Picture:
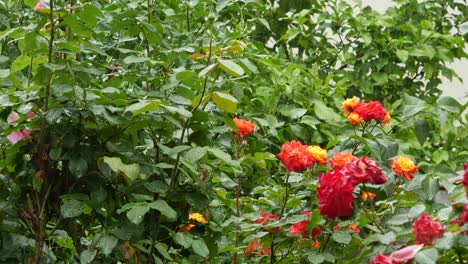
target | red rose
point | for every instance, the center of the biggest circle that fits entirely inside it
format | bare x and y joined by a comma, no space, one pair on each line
371,110
300,228
335,194
295,156
264,220
427,230
256,247
381,259
244,127
364,170
463,218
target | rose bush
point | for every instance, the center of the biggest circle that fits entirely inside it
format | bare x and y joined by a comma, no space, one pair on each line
231,132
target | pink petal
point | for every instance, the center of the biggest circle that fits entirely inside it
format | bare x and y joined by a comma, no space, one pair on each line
38,6
31,115
12,117
19,135
406,253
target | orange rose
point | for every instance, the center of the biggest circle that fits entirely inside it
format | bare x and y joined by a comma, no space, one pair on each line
355,228
244,127
318,154
186,228
197,217
339,160
315,244
368,196
349,104
404,166
355,119
386,119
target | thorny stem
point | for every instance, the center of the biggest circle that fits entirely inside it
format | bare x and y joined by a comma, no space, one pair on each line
41,217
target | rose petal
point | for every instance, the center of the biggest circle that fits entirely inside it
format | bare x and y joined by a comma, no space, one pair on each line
406,253
19,135
12,117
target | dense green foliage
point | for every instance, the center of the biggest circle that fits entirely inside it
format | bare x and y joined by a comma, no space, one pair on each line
133,130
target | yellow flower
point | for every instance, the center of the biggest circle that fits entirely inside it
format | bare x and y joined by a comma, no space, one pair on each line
404,166
368,196
197,217
349,104
354,119
318,154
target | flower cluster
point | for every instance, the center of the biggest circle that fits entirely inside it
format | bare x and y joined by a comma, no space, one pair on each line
264,220
358,112
244,127
404,166
300,228
398,257
256,248
426,230
335,193
196,217
297,157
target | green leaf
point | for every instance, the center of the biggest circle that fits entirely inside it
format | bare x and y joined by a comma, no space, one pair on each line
440,155
297,112
316,258
324,112
78,167
134,59
4,73
72,208
200,248
249,65
402,55
342,236
207,70
427,256
184,239
178,110
449,104
416,210
431,186
421,129
143,106
190,79
137,212
164,208
387,238
87,256
446,242
20,63
156,186
162,249
412,106
225,101
131,171
231,67
195,154
107,244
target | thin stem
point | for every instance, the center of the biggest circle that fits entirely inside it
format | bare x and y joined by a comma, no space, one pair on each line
322,248
286,196
376,220
187,122
30,71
